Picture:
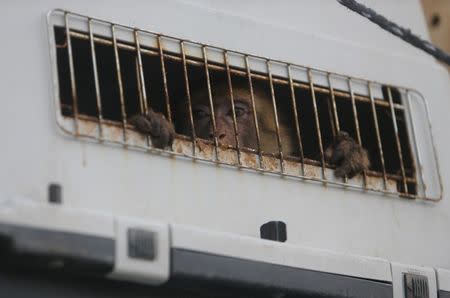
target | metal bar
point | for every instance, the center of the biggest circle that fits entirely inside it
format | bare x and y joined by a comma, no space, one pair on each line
211,104
335,113
397,141
333,104
73,84
416,146
316,118
296,119
277,125
188,96
304,86
119,81
96,82
141,80
230,88
355,117
255,117
377,130
164,76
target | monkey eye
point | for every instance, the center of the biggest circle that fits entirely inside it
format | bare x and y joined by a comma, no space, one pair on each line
200,112
240,109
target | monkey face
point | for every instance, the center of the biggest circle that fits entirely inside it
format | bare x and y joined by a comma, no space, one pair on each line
223,114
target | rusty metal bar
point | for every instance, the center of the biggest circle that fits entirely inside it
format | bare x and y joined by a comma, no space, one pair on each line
416,146
174,57
296,119
230,89
141,80
73,84
120,83
164,76
333,104
316,118
355,117
255,117
335,113
377,130
211,104
188,96
277,125
397,141
96,82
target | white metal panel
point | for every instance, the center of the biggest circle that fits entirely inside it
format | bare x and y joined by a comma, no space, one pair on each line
135,184
443,279
273,252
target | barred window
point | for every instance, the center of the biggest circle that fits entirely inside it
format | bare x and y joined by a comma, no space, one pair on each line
105,73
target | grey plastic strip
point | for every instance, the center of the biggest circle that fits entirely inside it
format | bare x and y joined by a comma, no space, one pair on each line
218,270
26,246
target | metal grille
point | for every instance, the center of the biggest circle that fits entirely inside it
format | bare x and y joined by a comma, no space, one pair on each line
386,120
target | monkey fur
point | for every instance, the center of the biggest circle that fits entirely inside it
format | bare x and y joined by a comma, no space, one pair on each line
348,156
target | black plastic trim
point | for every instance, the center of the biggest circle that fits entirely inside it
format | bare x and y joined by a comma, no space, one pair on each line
218,271
42,248
443,294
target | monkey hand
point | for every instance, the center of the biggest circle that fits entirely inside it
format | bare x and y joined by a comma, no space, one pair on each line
348,156
155,125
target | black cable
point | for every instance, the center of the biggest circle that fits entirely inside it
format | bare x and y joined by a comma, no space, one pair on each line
397,30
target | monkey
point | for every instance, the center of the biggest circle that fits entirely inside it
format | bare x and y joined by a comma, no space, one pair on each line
348,156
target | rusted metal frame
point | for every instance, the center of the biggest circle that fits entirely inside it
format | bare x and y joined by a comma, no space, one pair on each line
164,76
189,101
277,125
211,104
416,146
255,117
230,89
296,119
355,117
249,168
73,84
316,118
377,131
141,80
120,83
397,141
96,81
305,86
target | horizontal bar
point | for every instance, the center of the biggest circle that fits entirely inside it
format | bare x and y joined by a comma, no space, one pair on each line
305,86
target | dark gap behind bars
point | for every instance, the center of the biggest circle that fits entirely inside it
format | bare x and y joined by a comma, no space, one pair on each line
197,79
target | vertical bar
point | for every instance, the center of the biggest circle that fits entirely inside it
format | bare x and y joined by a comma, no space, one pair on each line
119,80
73,84
377,130
316,117
255,117
96,82
297,125
164,75
277,125
355,117
211,104
188,96
333,105
141,79
230,88
413,130
397,140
